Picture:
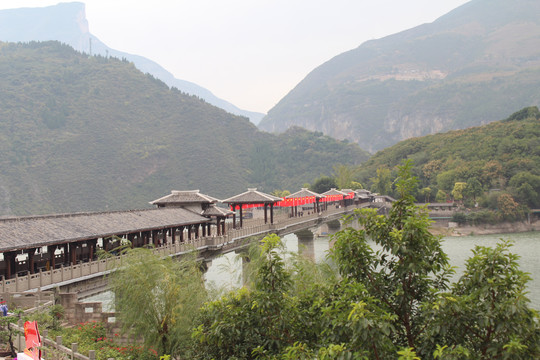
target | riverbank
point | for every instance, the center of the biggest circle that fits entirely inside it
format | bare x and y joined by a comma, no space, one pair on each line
486,229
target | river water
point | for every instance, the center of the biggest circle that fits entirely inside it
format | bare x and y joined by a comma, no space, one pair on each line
226,271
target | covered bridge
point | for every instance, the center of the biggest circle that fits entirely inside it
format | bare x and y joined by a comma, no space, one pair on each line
28,244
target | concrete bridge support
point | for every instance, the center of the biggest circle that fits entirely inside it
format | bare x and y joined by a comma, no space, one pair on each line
306,245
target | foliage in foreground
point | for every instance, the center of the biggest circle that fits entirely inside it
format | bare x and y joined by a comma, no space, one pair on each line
393,302
157,299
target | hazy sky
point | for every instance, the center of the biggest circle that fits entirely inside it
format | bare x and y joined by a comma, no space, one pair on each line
248,52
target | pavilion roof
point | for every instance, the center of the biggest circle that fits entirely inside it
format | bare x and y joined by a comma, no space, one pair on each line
348,191
304,193
185,197
363,191
29,232
252,196
217,211
334,191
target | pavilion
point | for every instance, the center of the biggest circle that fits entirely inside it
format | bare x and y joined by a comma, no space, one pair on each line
252,197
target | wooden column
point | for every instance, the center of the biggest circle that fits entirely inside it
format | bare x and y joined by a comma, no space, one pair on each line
241,217
51,249
218,224
73,253
265,213
223,227
234,216
31,253
181,234
9,258
91,248
203,230
155,238
271,213
209,230
173,235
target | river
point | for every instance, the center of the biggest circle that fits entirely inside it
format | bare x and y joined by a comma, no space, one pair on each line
226,271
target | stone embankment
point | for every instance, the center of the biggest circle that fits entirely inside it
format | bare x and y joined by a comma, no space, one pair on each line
486,229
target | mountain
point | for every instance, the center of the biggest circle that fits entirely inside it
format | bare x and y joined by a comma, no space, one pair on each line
67,23
472,66
81,133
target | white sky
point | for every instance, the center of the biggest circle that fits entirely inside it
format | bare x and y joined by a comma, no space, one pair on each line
248,52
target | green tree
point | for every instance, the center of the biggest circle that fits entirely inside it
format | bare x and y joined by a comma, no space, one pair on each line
458,190
441,196
382,183
409,269
157,299
473,188
344,175
323,184
486,314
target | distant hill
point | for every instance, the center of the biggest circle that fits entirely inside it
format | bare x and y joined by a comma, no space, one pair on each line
499,156
67,23
81,133
472,66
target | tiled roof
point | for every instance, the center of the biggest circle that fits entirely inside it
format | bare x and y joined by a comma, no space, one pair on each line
216,211
252,196
37,231
184,197
334,192
304,193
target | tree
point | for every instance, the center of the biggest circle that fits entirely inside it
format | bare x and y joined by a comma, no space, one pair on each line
459,189
382,183
323,184
473,188
409,269
486,315
157,299
344,175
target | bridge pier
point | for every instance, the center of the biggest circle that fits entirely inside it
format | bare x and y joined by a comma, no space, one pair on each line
306,245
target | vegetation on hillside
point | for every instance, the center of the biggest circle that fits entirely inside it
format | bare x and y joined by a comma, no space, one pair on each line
494,166
80,133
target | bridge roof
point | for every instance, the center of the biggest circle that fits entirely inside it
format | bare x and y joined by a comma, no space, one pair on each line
36,231
334,192
304,193
252,196
185,197
217,211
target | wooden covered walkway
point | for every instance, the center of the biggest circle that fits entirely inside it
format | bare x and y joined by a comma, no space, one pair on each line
41,251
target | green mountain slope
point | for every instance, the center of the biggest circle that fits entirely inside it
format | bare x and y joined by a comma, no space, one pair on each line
472,66
502,155
84,133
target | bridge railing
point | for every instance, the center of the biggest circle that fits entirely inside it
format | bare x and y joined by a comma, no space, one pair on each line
71,272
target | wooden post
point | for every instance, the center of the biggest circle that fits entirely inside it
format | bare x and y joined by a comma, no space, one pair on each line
271,213
173,235
265,213
241,217
74,348
31,253
73,253
9,258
